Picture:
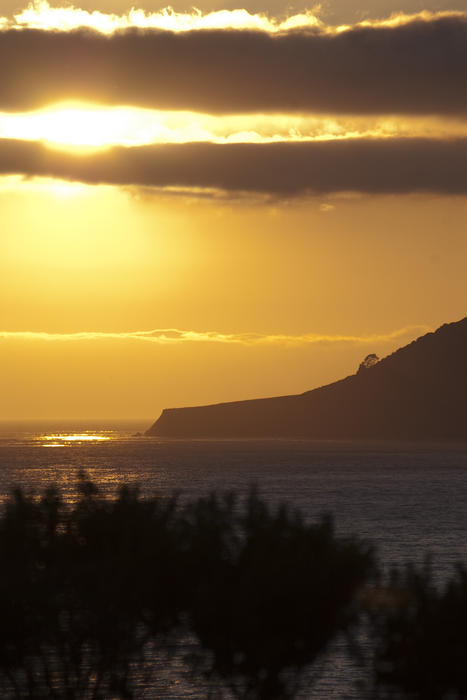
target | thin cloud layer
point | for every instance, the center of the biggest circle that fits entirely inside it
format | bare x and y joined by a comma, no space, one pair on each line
370,166
171,336
415,66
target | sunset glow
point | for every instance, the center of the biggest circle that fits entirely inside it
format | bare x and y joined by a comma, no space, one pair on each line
64,440
232,285
41,15
84,127
201,205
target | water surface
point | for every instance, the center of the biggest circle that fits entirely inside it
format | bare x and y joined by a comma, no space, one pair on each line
407,499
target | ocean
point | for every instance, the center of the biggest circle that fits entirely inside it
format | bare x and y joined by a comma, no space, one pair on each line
408,500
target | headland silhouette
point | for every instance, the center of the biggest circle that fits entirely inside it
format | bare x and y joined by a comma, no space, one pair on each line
417,393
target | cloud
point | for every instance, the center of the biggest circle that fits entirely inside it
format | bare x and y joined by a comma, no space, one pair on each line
373,166
40,15
408,66
171,336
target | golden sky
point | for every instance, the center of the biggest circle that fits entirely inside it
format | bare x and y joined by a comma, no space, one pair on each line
208,206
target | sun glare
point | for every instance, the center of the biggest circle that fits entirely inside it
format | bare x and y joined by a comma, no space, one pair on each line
45,185
66,440
70,125
83,127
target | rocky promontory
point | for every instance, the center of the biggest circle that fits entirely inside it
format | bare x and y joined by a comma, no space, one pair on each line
418,392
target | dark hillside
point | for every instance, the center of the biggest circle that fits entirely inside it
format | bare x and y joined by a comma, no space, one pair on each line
418,392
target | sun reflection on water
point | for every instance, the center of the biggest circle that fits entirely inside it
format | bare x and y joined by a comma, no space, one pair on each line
68,439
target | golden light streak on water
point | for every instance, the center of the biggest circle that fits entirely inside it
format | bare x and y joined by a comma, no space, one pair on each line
69,439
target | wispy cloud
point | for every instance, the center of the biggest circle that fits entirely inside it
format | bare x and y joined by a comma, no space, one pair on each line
172,336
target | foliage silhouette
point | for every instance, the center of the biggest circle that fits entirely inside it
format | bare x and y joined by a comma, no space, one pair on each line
90,592
421,637
370,361
272,592
77,591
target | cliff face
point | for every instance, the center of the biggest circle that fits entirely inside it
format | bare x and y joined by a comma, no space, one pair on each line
418,392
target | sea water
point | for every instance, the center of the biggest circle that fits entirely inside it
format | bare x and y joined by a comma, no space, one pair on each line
408,500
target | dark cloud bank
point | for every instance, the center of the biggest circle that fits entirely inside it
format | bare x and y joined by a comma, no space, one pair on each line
281,169
419,68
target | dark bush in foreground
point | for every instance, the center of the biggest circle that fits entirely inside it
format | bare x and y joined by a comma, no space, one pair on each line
82,591
271,593
420,636
88,593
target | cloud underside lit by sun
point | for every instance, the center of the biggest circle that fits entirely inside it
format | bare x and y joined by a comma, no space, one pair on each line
231,101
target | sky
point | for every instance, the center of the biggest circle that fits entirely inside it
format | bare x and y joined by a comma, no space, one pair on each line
213,204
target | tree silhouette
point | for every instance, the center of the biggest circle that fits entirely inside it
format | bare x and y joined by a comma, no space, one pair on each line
272,592
421,637
369,361
84,591
89,594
